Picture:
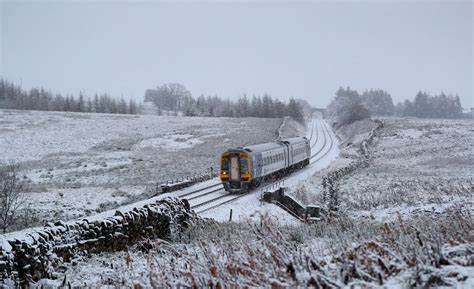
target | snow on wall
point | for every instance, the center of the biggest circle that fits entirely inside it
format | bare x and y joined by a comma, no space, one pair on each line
34,254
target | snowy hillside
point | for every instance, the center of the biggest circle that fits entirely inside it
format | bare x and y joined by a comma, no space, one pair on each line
78,164
402,222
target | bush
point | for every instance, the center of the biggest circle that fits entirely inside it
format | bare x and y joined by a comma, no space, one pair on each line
11,198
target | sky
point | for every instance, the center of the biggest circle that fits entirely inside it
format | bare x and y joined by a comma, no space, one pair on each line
228,48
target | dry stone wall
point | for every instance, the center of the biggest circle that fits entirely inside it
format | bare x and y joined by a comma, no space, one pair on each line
38,254
329,182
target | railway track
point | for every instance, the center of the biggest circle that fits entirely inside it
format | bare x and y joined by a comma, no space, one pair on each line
201,204
198,191
222,199
325,139
213,196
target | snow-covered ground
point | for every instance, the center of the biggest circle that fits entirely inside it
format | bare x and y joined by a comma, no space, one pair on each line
250,206
419,166
404,221
430,248
78,164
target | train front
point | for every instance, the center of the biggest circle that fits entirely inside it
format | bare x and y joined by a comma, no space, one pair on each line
235,171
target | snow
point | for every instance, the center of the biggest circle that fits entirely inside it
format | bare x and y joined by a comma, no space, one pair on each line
263,253
171,142
78,164
250,207
418,167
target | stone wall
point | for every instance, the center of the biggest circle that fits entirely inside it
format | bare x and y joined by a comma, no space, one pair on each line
37,254
329,182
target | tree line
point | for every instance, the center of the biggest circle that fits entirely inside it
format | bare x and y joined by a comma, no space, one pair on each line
425,105
175,97
348,105
14,97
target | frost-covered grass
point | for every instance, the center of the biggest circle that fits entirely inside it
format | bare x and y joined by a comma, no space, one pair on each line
415,253
77,164
378,238
418,167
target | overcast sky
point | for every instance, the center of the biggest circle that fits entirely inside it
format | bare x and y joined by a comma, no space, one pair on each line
306,50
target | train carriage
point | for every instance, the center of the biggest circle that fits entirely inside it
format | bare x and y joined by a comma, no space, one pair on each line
245,167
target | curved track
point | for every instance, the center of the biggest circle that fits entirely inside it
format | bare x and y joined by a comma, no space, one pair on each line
214,195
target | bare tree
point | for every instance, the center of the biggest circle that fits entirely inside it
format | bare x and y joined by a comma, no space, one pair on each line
11,198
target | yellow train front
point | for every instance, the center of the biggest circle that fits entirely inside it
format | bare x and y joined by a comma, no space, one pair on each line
235,170
246,167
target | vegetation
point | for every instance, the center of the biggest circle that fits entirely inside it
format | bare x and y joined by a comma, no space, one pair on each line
11,198
425,105
175,97
14,97
347,107
378,102
330,254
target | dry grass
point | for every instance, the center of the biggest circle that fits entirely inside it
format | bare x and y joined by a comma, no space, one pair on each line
421,252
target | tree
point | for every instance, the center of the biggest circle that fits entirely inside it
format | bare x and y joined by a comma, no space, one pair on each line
81,103
267,106
280,108
424,105
169,96
11,198
243,107
378,102
122,106
421,105
295,110
346,107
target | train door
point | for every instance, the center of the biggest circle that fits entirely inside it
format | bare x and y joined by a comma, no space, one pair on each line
291,156
234,168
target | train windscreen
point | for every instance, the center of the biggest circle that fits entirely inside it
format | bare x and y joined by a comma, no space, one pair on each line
244,165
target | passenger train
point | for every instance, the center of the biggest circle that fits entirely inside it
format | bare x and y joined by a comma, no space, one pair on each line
244,168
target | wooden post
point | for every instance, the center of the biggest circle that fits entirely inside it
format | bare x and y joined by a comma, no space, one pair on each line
230,217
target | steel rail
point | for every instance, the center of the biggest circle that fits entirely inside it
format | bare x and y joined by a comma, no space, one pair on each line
198,190
222,203
331,145
317,135
326,134
210,201
324,144
205,194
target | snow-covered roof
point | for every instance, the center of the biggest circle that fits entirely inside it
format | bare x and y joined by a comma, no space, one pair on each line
272,145
294,140
262,147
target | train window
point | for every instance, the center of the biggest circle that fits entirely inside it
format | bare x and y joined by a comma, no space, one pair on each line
225,164
244,165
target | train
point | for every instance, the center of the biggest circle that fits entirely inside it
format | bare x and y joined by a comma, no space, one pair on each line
244,168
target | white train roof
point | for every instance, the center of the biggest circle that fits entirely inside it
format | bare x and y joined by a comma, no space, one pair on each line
259,148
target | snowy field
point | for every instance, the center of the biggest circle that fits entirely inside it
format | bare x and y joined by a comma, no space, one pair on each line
78,164
366,246
404,221
419,167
